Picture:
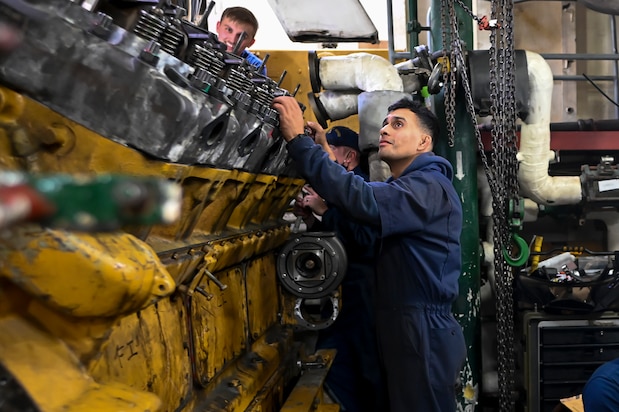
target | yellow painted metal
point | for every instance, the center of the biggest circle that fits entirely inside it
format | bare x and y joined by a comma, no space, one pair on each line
252,378
219,323
11,109
148,351
221,204
328,407
181,266
537,247
288,305
200,187
36,129
308,392
286,188
263,304
247,209
54,377
270,397
83,274
133,321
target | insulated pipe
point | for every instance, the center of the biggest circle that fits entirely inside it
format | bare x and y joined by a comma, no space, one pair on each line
372,111
343,77
338,104
535,153
612,227
360,71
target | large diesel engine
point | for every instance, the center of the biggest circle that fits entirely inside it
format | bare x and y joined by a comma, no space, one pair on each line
145,316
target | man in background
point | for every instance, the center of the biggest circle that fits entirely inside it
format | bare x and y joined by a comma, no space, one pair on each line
601,392
233,23
355,380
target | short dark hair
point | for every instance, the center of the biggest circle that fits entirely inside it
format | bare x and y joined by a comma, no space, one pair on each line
241,15
427,118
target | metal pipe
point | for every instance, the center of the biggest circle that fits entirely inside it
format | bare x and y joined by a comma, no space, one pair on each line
358,71
580,77
613,31
534,153
580,56
390,38
586,125
411,26
399,55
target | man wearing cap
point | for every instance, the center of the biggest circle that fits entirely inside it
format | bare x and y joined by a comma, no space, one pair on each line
417,216
355,379
344,143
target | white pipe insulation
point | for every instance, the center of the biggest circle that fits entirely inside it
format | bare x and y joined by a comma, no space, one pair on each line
361,71
339,104
344,77
535,153
364,84
612,227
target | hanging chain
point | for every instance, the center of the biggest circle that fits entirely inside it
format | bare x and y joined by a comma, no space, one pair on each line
506,167
468,11
450,76
502,174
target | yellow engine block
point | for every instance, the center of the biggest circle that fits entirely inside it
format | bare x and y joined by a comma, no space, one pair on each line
181,317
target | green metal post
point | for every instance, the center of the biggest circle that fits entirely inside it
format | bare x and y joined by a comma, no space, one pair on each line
463,157
412,25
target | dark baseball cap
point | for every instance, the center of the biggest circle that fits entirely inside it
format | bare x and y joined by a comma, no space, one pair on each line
343,136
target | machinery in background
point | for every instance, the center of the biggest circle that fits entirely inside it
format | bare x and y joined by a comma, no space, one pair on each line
527,183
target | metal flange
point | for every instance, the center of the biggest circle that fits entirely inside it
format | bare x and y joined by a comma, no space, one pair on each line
312,264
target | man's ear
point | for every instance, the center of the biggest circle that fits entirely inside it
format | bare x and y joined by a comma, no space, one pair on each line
252,42
425,142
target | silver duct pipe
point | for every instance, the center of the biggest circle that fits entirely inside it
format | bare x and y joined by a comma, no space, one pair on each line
612,227
360,71
360,83
338,104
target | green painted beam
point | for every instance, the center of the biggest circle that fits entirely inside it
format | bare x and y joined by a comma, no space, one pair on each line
463,157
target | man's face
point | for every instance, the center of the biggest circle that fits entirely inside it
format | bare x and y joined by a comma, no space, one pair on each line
228,32
401,137
342,154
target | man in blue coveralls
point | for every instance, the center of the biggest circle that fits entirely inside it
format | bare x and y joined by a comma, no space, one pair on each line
418,216
601,393
355,379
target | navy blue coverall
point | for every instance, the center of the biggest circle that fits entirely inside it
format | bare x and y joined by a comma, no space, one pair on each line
601,392
419,218
355,378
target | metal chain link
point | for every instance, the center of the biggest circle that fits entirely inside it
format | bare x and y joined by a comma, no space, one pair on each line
450,77
502,174
468,11
506,169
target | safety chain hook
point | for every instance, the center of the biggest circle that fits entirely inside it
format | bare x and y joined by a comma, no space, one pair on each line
516,213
